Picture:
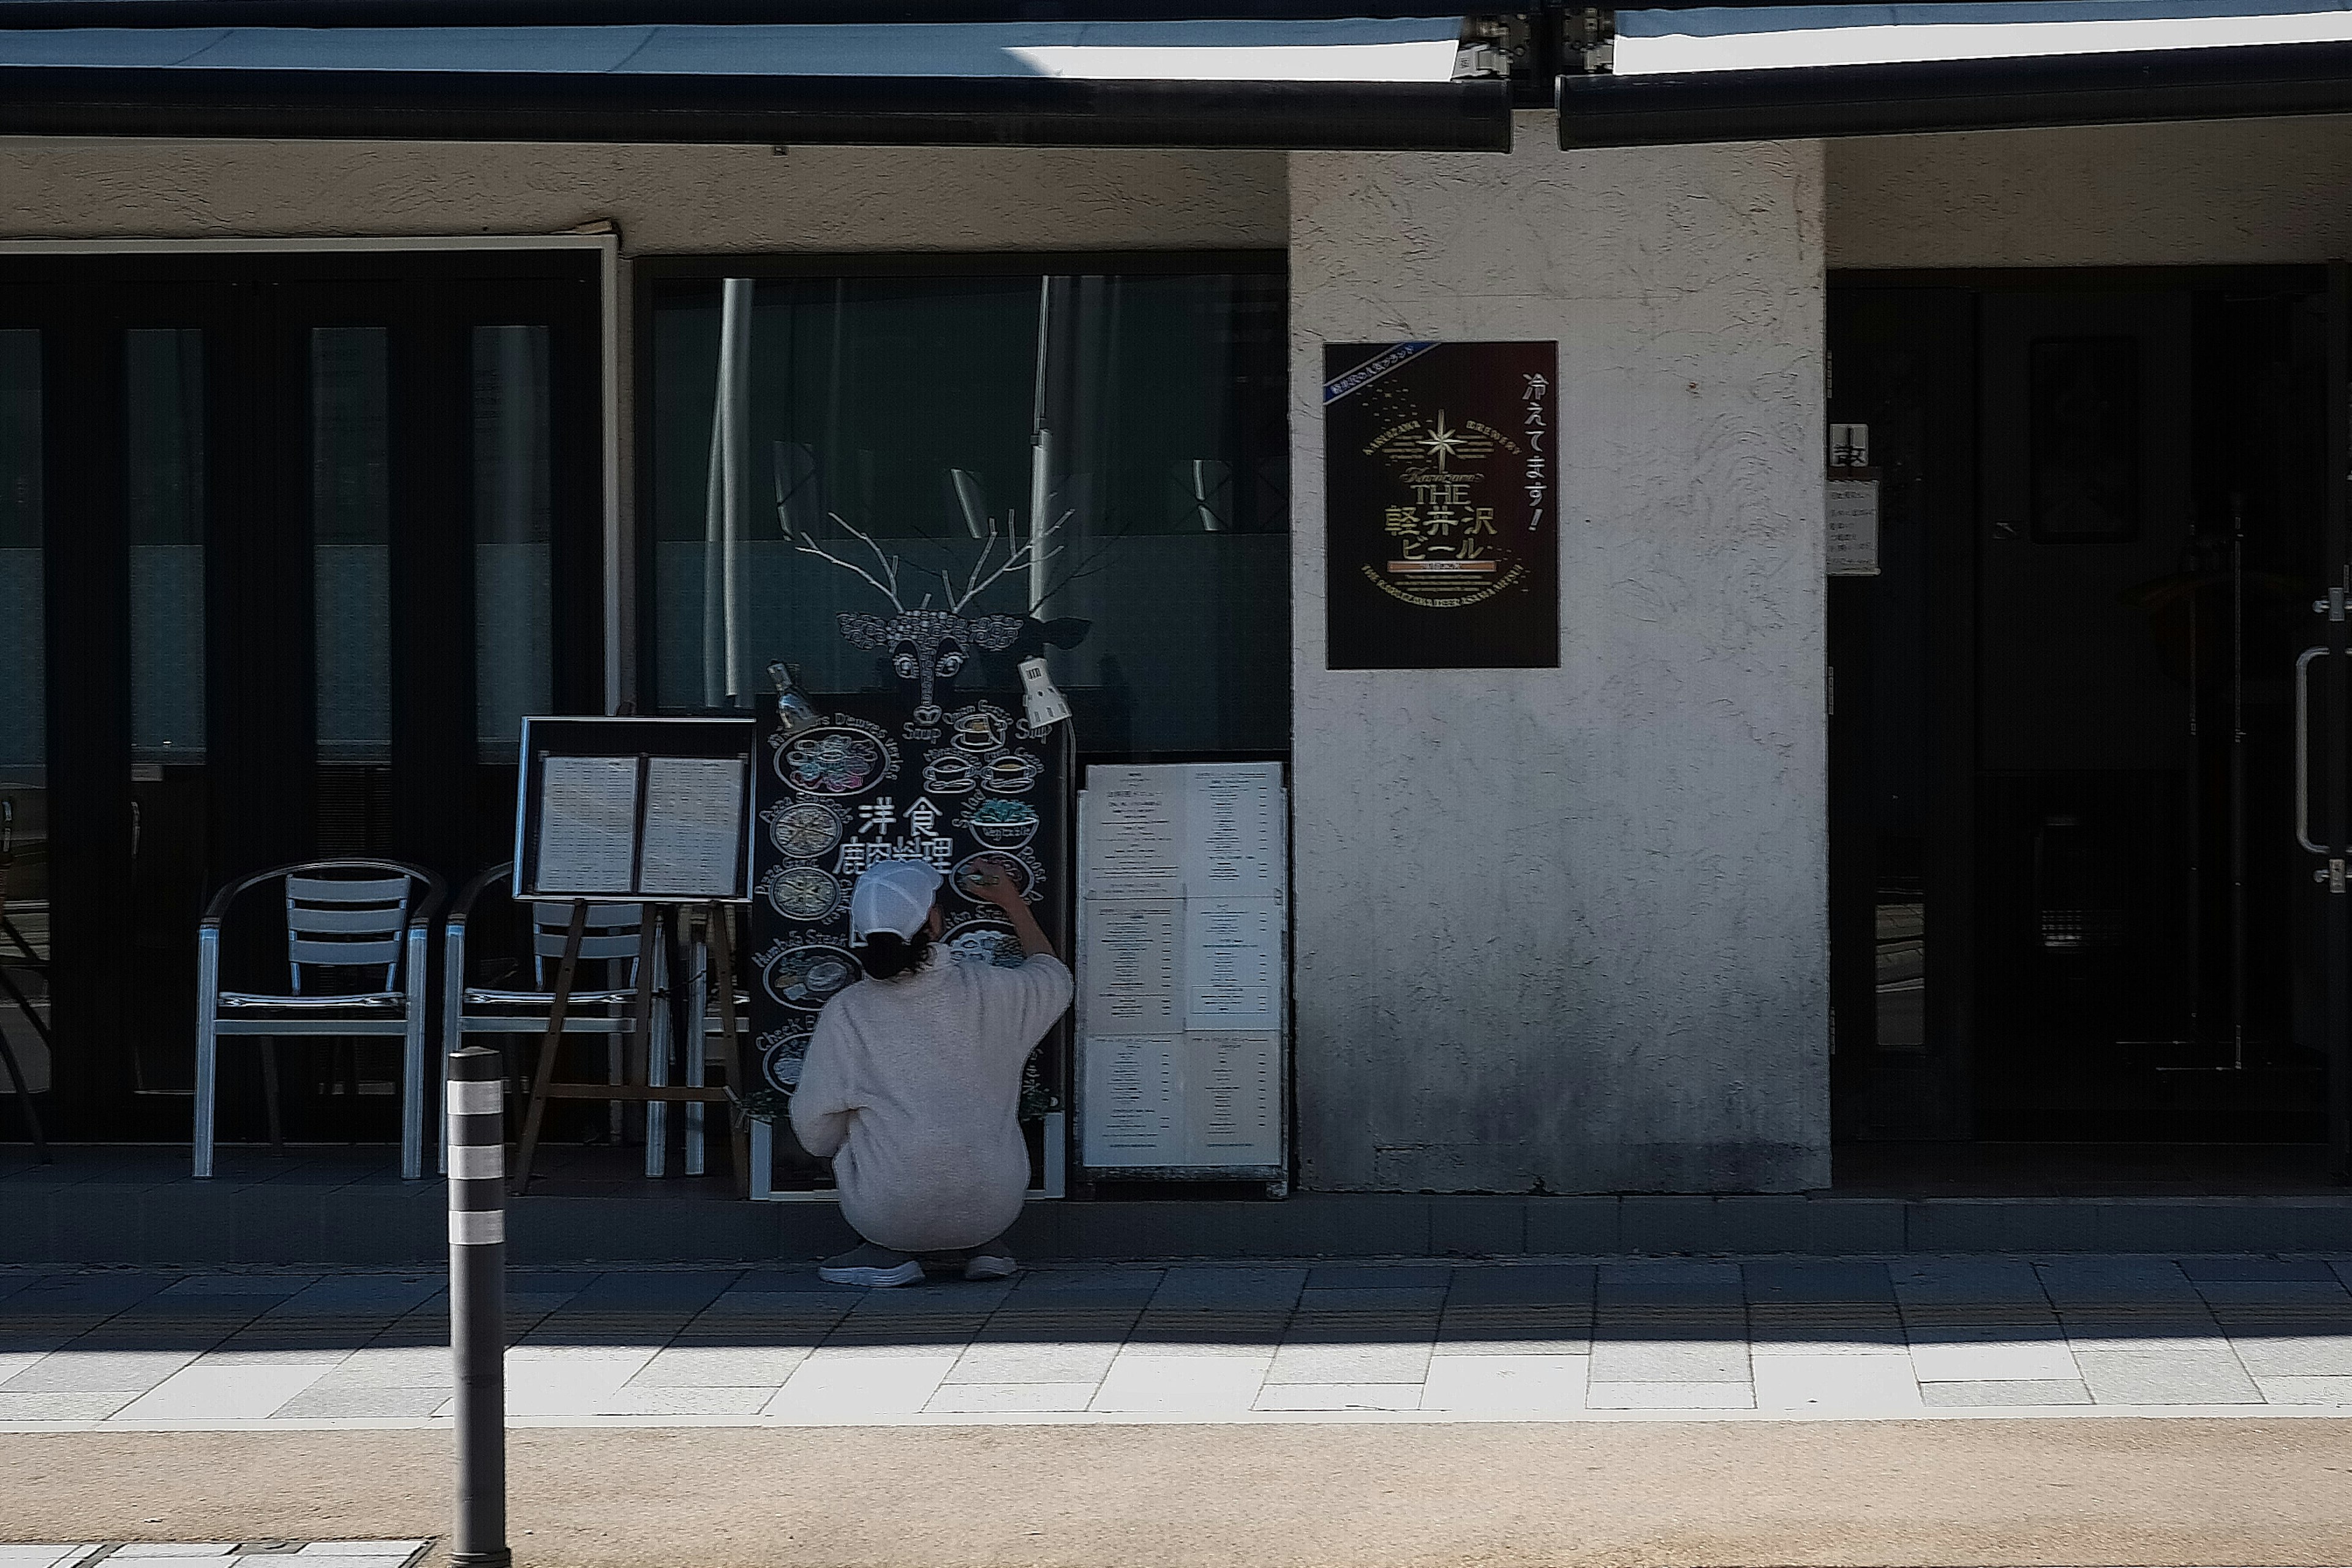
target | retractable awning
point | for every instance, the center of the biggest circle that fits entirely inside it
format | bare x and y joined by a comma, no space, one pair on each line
1349,83
1772,72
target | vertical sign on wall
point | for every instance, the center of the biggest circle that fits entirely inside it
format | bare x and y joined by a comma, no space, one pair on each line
1442,543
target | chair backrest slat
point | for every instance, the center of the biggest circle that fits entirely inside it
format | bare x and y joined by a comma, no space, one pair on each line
352,890
345,955
367,921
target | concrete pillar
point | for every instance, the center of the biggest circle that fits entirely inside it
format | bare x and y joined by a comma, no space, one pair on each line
1566,930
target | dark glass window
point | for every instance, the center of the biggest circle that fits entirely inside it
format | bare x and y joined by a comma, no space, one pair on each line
1120,441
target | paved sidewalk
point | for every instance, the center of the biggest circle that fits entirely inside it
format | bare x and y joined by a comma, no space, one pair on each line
217,1554
1854,1338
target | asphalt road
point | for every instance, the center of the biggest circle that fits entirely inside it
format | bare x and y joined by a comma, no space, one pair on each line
2158,1492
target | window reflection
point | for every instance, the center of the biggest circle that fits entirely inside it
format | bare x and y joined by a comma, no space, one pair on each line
1130,428
165,473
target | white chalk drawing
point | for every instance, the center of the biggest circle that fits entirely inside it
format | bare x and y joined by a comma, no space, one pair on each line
804,975
843,757
981,729
806,830
1011,772
949,772
805,893
975,939
1018,863
782,1054
1000,822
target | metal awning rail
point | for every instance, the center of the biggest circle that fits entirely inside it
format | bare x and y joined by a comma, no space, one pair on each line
1986,94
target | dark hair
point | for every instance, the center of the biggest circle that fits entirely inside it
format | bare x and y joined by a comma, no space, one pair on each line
886,955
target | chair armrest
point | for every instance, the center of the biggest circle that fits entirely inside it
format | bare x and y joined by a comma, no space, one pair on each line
463,908
217,911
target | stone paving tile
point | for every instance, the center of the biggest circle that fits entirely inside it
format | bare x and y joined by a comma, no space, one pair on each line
2182,1375
227,1393
992,1398
636,1399
2019,1354
1349,1363
72,1371
1559,1285
2010,1391
400,1366
1197,1384
44,1556
1529,1384
153,1548
317,1403
578,1383
721,1366
2247,1270
1724,1395
1247,1288
1339,1396
1380,1277
1021,1362
2293,1355
62,1407
2306,1390
1662,1360
838,1385
1832,1383
361,1548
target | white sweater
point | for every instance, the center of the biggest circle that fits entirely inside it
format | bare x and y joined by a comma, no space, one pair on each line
913,1087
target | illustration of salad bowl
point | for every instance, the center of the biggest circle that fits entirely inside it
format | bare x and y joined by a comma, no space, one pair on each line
1003,824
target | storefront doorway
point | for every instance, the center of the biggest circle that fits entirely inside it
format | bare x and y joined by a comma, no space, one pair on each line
2069,904
291,542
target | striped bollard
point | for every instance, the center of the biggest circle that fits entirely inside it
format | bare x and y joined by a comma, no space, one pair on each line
478,1304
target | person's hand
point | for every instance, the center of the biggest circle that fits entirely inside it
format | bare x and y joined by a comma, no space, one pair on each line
991,886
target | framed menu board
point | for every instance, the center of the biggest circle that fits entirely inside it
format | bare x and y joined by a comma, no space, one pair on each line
868,783
648,810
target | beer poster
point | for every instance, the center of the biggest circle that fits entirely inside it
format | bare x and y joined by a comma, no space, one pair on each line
1442,539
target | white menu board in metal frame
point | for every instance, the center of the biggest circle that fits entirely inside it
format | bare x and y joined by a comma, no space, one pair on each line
1183,1000
646,810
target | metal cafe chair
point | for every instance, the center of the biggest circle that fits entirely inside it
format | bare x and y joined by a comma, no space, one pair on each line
609,936
344,915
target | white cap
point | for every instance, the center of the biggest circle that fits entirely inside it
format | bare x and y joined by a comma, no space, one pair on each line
893,896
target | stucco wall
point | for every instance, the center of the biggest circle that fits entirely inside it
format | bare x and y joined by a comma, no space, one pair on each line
2243,192
1565,929
664,198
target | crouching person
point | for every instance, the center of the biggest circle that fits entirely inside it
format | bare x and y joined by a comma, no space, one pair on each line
912,1084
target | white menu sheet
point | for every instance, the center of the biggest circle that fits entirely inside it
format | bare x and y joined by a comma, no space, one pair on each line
1131,965
1232,963
1235,1098
587,824
1133,820
1232,840
1135,1107
694,828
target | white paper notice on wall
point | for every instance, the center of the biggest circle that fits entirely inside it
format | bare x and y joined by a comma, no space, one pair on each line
1233,837
1133,820
1131,965
1135,1102
1854,523
1235,1101
1232,963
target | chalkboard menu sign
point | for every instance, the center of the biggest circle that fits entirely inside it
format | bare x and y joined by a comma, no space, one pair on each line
1440,473
961,783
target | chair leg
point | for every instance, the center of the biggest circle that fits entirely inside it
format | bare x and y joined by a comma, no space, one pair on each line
207,1048
411,1092
207,1075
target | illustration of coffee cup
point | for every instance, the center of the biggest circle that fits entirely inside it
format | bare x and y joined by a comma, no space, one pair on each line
949,773
1011,773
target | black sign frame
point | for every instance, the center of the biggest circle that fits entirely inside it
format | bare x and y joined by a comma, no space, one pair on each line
1441,530
915,761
